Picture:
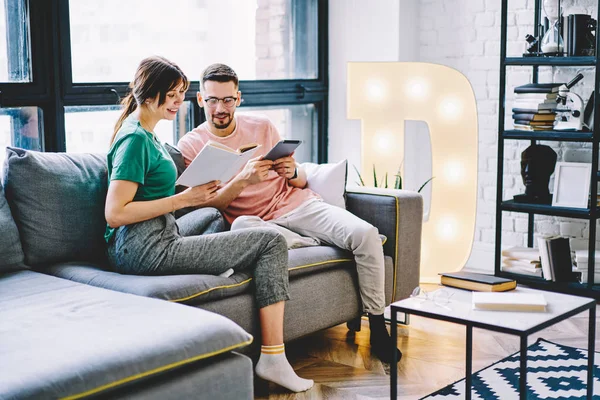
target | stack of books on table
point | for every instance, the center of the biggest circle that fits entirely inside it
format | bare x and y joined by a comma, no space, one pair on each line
535,106
522,260
581,261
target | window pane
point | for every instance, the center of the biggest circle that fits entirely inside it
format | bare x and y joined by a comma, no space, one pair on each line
260,39
90,128
14,42
20,127
293,122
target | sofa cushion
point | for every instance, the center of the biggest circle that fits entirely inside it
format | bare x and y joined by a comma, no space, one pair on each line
57,200
196,289
329,181
60,338
11,253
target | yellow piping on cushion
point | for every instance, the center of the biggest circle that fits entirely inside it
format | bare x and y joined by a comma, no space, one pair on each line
249,279
156,370
211,289
320,263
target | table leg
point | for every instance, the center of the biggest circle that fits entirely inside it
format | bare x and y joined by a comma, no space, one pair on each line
591,342
523,369
469,366
394,366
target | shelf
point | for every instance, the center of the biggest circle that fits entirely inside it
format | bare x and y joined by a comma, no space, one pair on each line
551,61
563,136
510,205
575,288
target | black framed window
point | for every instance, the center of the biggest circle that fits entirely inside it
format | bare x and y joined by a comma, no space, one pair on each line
74,60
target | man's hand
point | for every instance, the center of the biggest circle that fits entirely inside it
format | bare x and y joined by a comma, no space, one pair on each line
256,170
285,167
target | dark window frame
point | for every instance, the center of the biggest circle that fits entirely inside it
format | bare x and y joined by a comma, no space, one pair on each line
52,88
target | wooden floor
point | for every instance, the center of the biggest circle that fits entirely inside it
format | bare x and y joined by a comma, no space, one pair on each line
342,367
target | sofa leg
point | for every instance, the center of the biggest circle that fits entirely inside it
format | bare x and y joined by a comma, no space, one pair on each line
354,324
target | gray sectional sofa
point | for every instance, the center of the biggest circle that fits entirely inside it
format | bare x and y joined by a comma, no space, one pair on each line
71,328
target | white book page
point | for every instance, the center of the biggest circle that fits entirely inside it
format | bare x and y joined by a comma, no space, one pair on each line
213,163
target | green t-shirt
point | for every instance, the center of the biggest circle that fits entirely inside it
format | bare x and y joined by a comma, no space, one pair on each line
136,155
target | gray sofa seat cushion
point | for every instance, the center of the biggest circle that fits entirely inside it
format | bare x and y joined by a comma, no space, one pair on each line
57,201
60,338
11,252
197,289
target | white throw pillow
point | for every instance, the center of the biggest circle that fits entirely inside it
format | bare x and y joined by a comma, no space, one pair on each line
328,181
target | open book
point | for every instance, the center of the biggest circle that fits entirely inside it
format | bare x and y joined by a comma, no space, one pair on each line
216,162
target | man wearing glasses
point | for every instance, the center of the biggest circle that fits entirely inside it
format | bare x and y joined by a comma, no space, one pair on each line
274,193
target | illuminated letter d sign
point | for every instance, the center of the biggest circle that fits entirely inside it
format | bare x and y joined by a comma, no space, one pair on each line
385,95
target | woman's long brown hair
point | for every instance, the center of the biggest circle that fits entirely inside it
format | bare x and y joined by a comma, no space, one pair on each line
154,76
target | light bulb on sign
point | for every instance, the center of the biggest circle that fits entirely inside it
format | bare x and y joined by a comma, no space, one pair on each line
384,142
376,91
454,172
451,108
417,89
447,228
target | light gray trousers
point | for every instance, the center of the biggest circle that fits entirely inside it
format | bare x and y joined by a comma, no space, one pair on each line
165,246
322,222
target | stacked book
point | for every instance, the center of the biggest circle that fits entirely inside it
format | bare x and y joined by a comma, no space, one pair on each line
535,106
557,262
581,261
522,260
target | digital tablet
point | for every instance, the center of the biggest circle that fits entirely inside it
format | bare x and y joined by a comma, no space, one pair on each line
283,148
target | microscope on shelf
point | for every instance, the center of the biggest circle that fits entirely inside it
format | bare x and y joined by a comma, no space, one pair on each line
571,112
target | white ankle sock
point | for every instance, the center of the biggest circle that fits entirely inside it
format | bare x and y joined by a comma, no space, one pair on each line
274,366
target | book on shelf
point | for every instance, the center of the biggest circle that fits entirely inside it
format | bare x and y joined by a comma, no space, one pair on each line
534,117
536,110
521,271
477,282
525,264
538,88
509,301
560,259
521,253
534,123
545,257
536,96
530,128
216,162
536,105
557,263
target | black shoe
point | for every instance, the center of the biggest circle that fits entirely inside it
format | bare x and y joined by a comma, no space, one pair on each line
381,342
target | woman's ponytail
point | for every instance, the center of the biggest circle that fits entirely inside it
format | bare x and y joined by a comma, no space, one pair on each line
130,105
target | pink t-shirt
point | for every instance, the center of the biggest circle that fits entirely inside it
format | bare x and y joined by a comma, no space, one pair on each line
269,199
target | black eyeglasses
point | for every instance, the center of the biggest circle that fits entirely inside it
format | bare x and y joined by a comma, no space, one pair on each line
228,102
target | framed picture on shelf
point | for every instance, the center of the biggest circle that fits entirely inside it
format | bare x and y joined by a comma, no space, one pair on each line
571,184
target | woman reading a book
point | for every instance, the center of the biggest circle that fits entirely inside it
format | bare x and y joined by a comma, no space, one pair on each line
143,236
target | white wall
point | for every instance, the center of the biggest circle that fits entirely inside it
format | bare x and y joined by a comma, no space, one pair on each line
359,30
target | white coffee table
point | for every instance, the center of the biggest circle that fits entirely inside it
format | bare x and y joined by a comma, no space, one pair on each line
459,310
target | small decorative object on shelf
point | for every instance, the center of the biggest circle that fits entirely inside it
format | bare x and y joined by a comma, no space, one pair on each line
552,42
571,116
537,165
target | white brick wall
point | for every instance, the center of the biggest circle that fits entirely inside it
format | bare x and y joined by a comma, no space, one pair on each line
465,34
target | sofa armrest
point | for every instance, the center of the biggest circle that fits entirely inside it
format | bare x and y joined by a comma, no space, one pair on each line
398,214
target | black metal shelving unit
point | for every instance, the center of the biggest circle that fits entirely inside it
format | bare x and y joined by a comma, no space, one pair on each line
591,288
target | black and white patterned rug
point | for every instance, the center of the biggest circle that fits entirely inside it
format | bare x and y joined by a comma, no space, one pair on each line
553,372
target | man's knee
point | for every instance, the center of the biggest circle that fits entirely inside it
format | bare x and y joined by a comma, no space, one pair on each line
246,221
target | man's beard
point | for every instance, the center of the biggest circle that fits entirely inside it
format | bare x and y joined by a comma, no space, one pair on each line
222,126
